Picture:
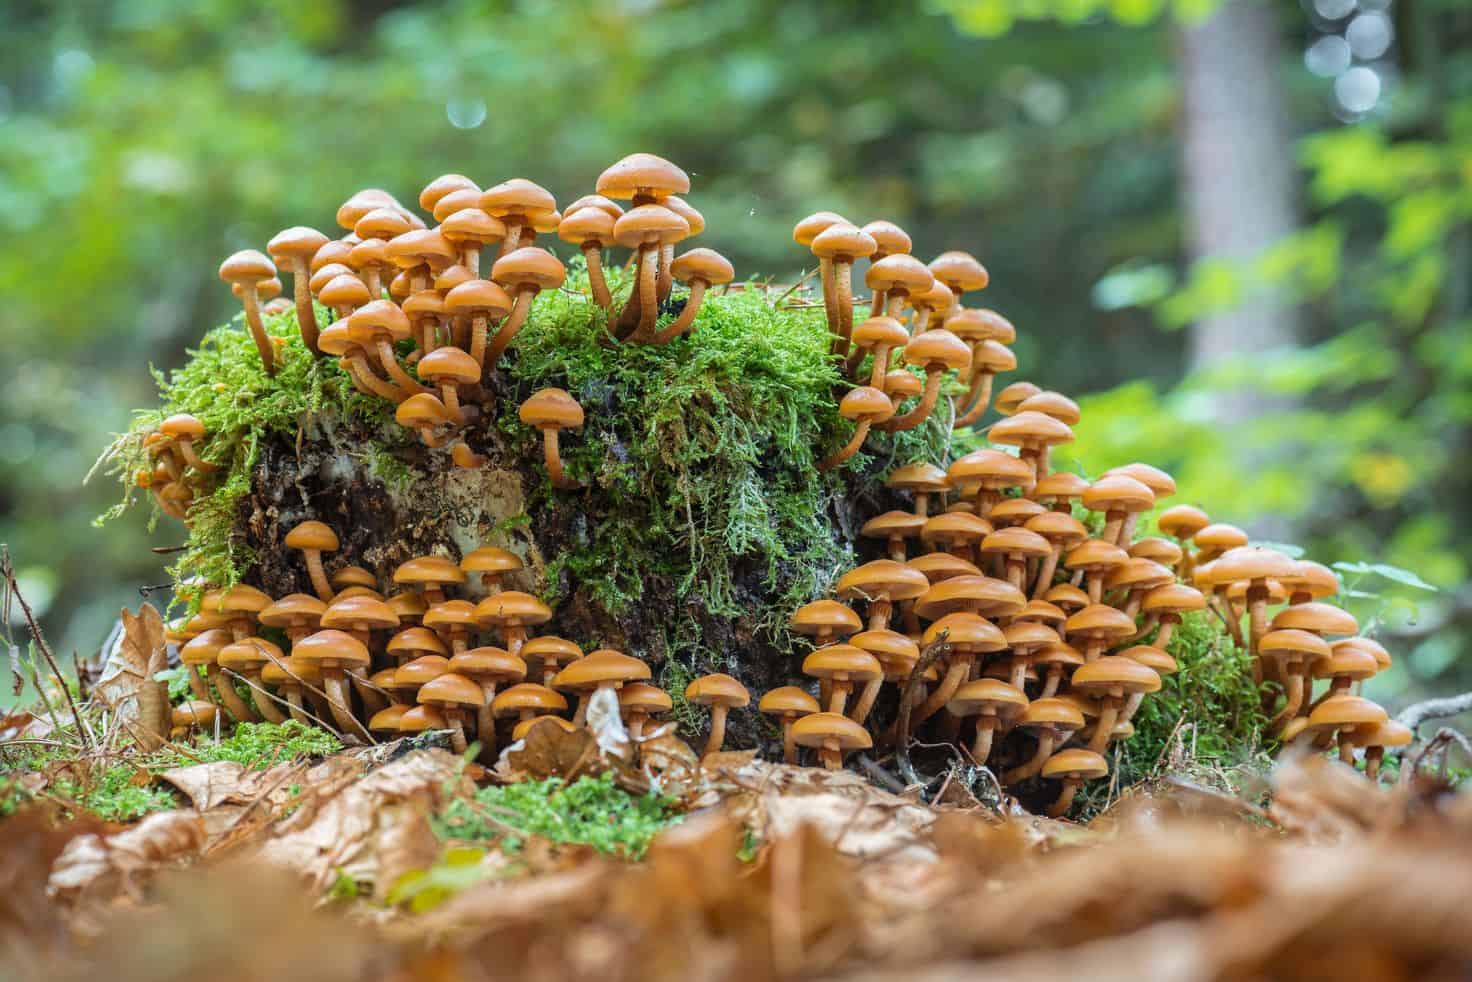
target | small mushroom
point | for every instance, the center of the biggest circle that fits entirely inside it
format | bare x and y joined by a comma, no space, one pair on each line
881,336
378,325
528,701
721,693
547,654
247,269
638,702
430,575
646,229
192,714
995,705
426,414
458,698
483,302
450,369
841,244
552,411
701,269
893,280
511,612
201,654
601,669
471,230
1073,767
334,653
415,642
453,620
894,527
1292,651
1097,627
865,406
523,274
968,635
1111,679
789,704
937,352
591,230
643,177
184,429
525,208
960,272
492,563
247,658
1062,532
826,621
831,734
294,248
1050,721
881,583
488,667
840,667
298,614
1377,739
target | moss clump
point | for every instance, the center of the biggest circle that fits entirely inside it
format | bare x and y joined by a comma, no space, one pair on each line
112,790
257,746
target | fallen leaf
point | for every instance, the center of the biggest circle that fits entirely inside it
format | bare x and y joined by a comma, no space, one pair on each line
97,864
127,684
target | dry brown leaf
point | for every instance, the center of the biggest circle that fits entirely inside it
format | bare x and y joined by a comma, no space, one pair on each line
97,864
225,782
127,684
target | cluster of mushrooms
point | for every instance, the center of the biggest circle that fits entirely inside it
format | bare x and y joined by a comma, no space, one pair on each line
417,323
998,609
366,664
1016,614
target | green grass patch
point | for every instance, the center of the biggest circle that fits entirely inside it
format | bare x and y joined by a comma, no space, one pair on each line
257,746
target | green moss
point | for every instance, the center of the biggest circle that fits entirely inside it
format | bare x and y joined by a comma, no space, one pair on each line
257,746
113,790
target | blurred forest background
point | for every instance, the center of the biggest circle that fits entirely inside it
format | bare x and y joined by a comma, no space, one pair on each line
1241,230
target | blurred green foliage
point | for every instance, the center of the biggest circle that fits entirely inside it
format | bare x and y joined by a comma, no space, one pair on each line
143,140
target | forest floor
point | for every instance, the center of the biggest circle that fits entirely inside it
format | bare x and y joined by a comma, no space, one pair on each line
270,860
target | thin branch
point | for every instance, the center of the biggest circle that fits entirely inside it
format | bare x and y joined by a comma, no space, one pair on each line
940,646
1414,715
12,587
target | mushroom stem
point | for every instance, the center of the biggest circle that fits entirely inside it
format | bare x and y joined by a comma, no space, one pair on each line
458,741
1126,529
648,299
1113,520
1346,747
340,700
849,449
1034,764
1168,624
717,730
879,302
478,327
867,697
844,290
197,685
1047,571
1051,682
512,240
306,314
957,673
186,450
879,369
485,722
979,398
553,456
838,696
367,382
1104,728
664,283
394,370
511,326
981,746
1294,699
1257,608
263,701
1373,756
298,711
593,253
229,698
1059,808
831,756
789,742
257,329
682,323
372,699
921,412
830,299
318,575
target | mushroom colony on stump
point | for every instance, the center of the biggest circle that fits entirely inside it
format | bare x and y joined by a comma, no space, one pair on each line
1010,609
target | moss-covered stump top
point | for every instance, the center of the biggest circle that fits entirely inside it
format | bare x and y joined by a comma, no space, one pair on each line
702,520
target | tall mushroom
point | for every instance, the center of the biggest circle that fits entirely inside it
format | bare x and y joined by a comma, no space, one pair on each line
937,352
897,656
523,273
840,667
601,669
378,325
840,244
247,658
701,269
721,693
246,269
488,667
1291,650
591,230
881,336
969,636
1051,722
646,229
881,583
334,653
1111,679
1034,434
552,411
1097,627
664,280
864,406
483,302
293,248
525,208
893,280
803,233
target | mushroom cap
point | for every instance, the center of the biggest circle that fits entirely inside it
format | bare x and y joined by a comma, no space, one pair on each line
641,697
429,569
361,203
1347,711
960,271
1075,764
523,728
1119,492
598,201
382,224
387,720
378,318
1138,574
369,252
919,476
422,247
1375,648
489,662
334,339
938,299
788,701
989,356
1315,579
603,665
865,402
981,325
443,185
988,697
491,559
905,524
527,696
954,528
456,201
331,647
881,331
451,689
1016,541
966,631
1355,664
512,607
350,576
1161,484
1250,563
517,196
1016,511
718,689
346,290
831,729
418,719
882,577
449,364
249,653
901,384
1057,527
1173,598
1029,636
471,225
529,267
1060,485
349,612
1290,644
296,243
553,408
899,273
1316,616
896,652
1053,713
420,639
843,662
843,242
975,594
408,604
888,236
423,669
551,650
994,469
293,609
1095,554
643,174
1014,395
805,231
1101,621
239,599
649,225
204,647
1151,657
1388,734
1219,536
936,350
1153,547
1042,612
326,274
333,253
587,225
194,712
702,264
938,566
1061,653
452,276
451,615
1114,672
821,615
478,297
182,425
1182,521
247,266
1067,597
1054,404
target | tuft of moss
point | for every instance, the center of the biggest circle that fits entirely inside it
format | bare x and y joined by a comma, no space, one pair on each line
257,746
